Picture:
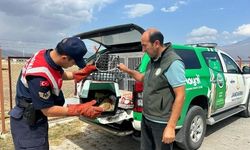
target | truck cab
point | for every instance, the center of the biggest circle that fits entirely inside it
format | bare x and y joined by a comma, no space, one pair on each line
216,87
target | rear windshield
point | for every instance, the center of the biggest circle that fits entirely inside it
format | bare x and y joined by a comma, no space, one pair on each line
119,38
189,58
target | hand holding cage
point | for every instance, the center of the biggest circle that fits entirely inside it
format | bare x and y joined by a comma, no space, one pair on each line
107,70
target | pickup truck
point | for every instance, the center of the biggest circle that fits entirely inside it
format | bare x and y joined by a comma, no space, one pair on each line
216,87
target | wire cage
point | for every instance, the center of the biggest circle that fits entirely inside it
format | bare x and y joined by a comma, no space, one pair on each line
107,70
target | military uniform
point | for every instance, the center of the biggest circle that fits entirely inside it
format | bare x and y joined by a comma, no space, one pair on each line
38,87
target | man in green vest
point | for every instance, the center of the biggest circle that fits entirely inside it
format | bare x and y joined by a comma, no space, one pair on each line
164,91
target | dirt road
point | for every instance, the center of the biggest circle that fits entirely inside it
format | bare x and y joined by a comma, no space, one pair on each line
229,134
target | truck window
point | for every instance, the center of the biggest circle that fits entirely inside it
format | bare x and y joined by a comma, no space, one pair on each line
212,60
189,58
231,66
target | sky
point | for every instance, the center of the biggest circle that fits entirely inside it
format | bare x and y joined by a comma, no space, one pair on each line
35,24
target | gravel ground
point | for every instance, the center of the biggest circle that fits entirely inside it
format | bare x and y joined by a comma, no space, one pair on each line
92,138
230,134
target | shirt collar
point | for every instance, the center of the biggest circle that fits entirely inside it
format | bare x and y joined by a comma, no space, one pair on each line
50,61
167,45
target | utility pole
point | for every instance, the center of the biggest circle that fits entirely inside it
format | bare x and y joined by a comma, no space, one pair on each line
1,95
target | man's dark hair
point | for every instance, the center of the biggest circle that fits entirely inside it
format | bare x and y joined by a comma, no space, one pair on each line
156,36
60,51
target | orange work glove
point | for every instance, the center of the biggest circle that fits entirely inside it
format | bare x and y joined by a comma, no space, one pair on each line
86,109
83,73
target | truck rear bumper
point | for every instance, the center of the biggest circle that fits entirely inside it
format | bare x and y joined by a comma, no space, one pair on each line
116,129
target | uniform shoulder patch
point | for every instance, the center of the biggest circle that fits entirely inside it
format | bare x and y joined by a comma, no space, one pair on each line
44,91
44,95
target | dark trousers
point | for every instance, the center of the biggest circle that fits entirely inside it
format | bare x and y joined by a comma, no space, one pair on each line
29,137
151,136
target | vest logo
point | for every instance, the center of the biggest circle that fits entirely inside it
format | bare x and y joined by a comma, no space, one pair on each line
158,71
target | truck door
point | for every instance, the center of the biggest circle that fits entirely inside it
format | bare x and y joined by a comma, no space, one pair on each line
217,81
234,82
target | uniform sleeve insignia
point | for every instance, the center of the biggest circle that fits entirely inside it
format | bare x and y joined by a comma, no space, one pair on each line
44,83
44,95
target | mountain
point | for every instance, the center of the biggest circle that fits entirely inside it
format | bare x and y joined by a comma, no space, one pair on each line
241,49
14,53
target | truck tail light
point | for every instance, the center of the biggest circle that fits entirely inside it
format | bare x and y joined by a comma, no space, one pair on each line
138,96
138,87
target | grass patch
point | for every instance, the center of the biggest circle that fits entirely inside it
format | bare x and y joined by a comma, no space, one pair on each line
57,134
6,142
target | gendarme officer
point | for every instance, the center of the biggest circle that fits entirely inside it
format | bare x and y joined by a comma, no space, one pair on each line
39,95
